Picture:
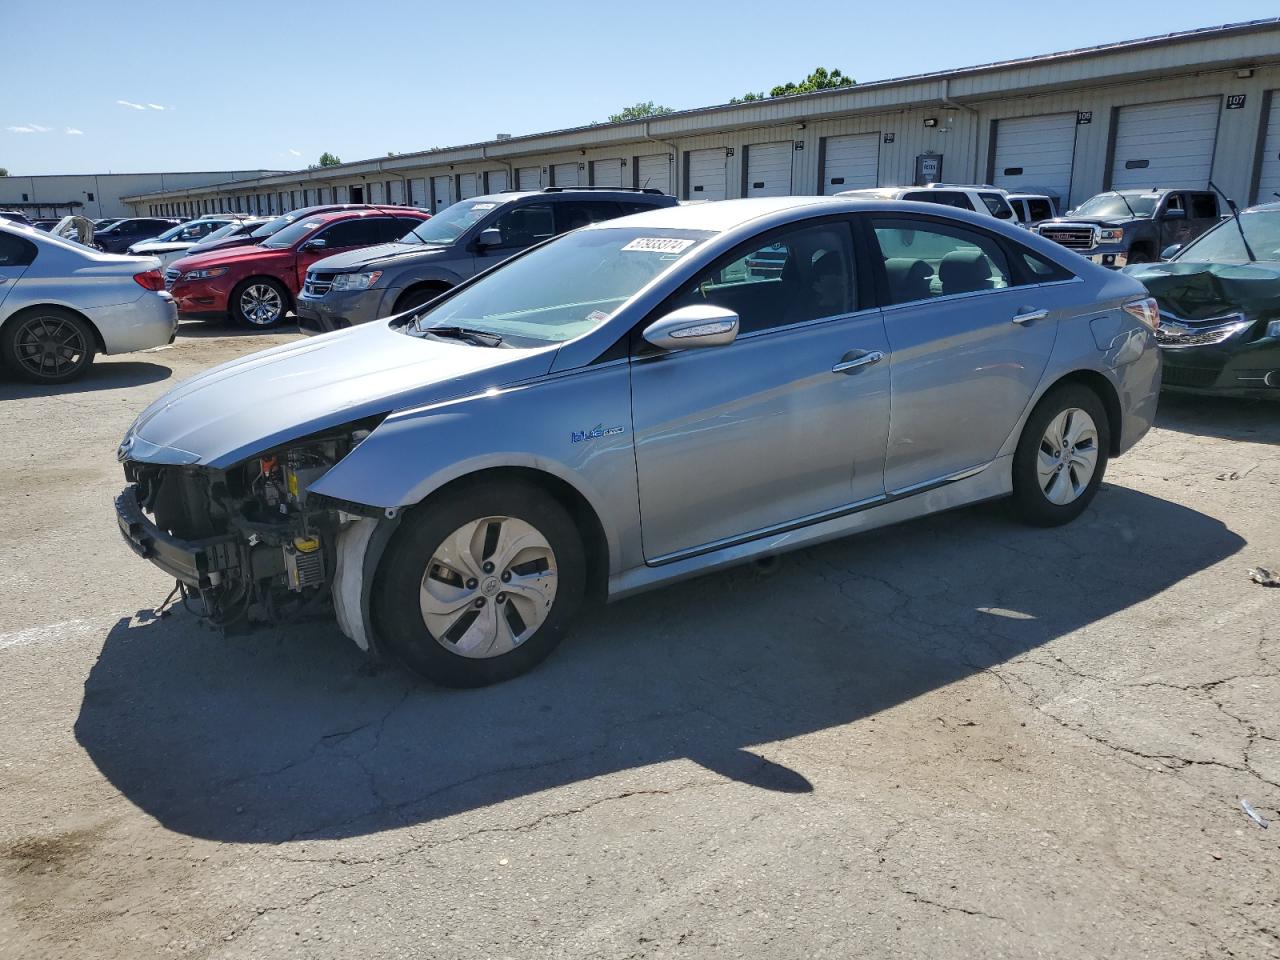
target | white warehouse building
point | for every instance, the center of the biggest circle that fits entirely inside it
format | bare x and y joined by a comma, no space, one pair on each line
1173,111
97,195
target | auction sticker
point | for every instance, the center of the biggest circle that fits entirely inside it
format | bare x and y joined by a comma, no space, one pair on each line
659,245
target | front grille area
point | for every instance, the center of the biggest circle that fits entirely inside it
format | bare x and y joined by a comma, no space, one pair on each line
317,284
1180,376
1073,238
171,277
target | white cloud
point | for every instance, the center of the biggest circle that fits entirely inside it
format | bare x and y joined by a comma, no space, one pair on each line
155,106
73,132
131,105
21,129
296,153
37,128
29,128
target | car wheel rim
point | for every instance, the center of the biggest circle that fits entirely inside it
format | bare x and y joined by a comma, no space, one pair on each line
50,346
1068,456
488,587
261,304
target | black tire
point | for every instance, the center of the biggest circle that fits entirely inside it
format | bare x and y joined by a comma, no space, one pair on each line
1031,503
240,306
396,590
416,298
47,345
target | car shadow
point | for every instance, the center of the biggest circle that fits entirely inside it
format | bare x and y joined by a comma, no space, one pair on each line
205,329
287,733
1227,418
109,375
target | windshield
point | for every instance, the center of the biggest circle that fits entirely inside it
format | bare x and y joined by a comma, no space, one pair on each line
451,223
1222,242
563,289
226,230
292,233
1107,205
272,227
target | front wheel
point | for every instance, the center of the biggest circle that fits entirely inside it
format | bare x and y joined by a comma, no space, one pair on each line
1061,457
480,585
259,303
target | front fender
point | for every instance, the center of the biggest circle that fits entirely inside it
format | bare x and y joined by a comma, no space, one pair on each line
548,425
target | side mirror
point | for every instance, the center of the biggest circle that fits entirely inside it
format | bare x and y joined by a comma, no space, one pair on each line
1169,252
316,244
694,326
1175,215
489,237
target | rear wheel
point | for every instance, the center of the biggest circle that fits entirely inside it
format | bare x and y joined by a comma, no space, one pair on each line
259,302
1061,457
47,345
480,586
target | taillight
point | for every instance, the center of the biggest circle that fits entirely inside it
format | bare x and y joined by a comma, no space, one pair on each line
1146,312
154,280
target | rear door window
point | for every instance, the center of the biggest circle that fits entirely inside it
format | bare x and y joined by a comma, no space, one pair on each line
15,251
361,232
571,214
1204,206
924,259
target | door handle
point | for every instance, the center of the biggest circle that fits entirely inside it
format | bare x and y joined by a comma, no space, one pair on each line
865,360
1029,316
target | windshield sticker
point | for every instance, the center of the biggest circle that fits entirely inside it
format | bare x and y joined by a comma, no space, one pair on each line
483,206
597,315
659,245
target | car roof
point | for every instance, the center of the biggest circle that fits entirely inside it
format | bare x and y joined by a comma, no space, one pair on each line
1272,206
722,215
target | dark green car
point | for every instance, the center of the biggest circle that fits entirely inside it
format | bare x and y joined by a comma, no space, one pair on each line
1220,307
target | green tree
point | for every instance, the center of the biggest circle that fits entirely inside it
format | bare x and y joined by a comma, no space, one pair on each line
820,79
4,171
639,111
328,159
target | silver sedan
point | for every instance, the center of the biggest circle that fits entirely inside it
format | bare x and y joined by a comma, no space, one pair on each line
61,303
636,402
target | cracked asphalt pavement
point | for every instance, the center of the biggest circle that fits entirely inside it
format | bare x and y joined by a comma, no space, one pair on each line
955,738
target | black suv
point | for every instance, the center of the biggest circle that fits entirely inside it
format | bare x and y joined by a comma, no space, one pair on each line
123,233
1133,226
457,243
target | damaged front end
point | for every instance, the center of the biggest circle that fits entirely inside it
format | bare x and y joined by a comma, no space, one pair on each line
246,544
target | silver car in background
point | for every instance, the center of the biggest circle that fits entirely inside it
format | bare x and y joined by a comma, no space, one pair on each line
61,303
636,402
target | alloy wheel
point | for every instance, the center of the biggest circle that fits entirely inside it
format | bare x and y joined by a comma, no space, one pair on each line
50,346
488,587
1068,456
260,304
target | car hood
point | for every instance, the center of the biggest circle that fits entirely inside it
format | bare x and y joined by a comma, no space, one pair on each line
228,243
214,258
383,253
1091,221
232,411
1203,291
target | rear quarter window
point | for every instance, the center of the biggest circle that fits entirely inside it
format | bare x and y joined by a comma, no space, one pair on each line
15,251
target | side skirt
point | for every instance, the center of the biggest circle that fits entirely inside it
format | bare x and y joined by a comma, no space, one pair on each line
993,481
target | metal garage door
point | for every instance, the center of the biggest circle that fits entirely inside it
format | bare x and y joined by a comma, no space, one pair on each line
1269,169
496,181
706,174
769,169
376,190
468,185
342,194
565,175
418,193
397,193
443,189
530,178
655,172
849,163
606,173
1035,153
1165,144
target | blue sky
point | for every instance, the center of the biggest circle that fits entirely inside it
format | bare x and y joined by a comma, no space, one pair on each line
95,86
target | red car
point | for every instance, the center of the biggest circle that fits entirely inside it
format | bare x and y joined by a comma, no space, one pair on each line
256,285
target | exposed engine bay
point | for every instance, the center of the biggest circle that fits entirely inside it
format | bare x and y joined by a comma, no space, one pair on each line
247,544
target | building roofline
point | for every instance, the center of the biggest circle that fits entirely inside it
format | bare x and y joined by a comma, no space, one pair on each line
641,127
142,173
